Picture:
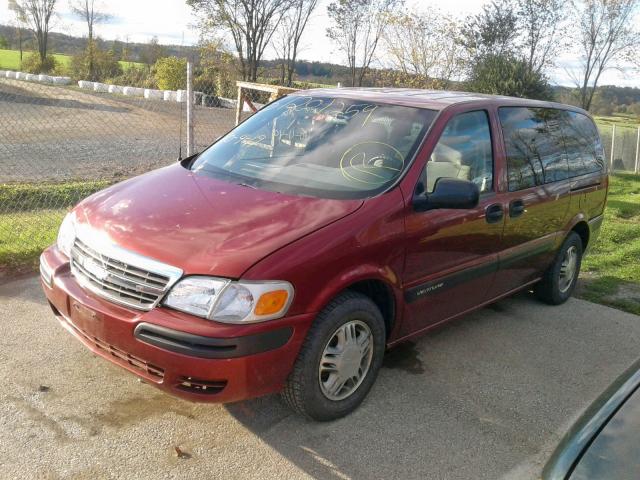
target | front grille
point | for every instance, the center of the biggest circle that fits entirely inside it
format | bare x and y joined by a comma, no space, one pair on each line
111,276
122,357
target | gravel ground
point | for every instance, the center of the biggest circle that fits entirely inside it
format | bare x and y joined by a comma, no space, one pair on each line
56,133
488,396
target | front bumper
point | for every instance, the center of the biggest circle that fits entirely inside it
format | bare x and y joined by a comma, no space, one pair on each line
189,357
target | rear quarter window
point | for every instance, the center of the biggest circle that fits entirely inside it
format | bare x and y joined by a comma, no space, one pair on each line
584,147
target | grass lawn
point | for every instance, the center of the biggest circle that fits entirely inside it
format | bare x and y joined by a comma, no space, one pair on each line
29,219
621,120
24,235
10,60
611,271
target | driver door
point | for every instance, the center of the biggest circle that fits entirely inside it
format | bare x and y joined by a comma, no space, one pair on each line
452,255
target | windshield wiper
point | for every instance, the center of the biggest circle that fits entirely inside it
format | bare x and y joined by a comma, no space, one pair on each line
247,185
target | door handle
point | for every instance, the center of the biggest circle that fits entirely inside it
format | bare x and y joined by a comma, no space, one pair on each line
494,213
516,208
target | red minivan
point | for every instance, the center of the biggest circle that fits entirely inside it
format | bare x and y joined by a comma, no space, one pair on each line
326,228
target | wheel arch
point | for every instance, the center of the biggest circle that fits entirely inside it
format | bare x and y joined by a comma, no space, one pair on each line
580,226
380,294
379,285
583,231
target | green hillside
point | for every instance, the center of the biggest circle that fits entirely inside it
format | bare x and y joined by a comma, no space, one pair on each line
10,60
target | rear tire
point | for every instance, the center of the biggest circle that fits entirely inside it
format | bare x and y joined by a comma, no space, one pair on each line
345,344
559,281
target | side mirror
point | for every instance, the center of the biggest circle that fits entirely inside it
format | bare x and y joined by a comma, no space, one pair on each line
447,193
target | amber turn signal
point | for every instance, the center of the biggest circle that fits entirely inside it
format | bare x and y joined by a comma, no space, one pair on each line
271,302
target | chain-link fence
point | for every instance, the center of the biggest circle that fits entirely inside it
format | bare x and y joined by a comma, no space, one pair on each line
60,143
622,146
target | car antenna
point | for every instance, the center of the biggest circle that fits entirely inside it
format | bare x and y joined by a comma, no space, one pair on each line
180,135
181,113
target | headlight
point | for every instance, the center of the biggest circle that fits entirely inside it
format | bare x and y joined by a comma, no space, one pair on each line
67,234
229,301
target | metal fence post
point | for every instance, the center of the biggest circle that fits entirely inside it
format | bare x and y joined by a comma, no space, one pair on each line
637,166
613,144
190,130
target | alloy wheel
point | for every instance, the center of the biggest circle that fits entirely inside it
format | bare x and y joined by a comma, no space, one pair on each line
345,360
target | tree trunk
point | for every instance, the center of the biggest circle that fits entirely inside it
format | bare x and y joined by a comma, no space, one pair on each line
290,70
90,53
20,44
42,46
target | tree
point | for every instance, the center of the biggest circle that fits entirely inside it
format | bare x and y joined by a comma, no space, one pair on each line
607,36
493,31
250,23
358,27
152,52
4,43
37,14
103,64
509,45
424,45
20,22
501,74
92,14
539,22
290,32
217,72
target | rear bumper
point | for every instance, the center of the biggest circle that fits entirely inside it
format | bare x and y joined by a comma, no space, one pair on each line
191,358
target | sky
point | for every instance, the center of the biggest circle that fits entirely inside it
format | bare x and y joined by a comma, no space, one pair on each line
171,21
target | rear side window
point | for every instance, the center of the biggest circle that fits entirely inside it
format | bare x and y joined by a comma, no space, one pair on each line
534,145
584,147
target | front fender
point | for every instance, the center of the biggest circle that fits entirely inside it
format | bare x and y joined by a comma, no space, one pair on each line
366,245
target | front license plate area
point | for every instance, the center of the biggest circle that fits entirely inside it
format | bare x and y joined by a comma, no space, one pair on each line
86,319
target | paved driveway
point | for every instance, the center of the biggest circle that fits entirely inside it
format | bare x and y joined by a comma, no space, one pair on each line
485,397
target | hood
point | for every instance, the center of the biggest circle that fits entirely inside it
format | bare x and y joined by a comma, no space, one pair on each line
201,224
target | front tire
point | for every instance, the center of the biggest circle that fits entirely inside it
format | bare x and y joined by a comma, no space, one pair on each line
559,281
339,360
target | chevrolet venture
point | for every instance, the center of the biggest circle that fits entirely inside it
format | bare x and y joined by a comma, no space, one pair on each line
327,227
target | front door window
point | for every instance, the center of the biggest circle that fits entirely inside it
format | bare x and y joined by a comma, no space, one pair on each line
464,151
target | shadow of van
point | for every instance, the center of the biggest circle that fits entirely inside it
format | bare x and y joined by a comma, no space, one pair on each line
431,410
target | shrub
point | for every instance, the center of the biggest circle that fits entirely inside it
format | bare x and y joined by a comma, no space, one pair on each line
506,75
171,73
33,64
135,77
95,64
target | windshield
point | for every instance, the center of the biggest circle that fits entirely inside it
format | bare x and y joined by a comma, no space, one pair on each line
319,146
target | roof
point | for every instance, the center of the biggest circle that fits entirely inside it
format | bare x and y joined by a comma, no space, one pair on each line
431,99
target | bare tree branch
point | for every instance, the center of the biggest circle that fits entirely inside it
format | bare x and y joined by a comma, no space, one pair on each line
424,44
607,35
37,14
540,21
357,28
250,24
287,39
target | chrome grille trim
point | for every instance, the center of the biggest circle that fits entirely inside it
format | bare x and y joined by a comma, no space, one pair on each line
121,276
